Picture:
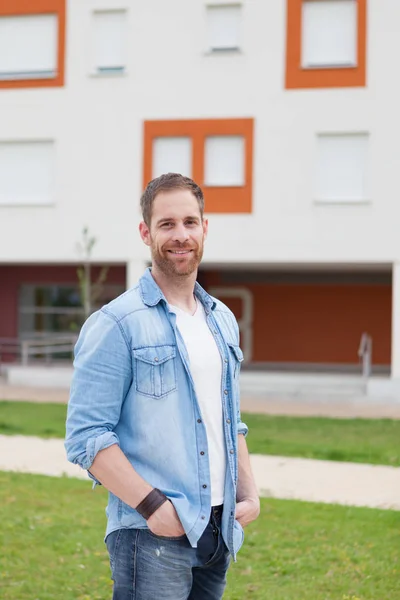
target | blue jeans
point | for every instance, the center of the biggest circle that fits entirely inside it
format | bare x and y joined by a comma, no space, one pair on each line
148,567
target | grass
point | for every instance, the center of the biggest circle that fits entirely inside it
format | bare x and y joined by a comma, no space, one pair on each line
31,418
51,547
374,441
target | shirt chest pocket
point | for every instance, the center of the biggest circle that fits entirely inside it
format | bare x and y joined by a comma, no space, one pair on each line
155,370
237,358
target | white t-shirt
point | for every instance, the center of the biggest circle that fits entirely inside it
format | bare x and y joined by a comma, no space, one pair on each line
206,369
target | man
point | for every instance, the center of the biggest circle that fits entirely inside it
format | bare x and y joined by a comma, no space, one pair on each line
154,414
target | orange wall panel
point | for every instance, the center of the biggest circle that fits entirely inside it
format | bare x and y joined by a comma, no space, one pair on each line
237,199
10,8
299,77
321,323
317,323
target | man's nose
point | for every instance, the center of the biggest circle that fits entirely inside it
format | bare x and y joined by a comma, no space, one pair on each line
180,234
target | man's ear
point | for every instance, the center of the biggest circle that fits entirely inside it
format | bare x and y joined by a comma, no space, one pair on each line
144,233
205,227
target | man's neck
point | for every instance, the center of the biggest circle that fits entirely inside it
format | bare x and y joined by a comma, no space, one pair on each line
178,290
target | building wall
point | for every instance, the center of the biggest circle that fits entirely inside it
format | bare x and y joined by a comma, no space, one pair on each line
320,324
310,322
97,125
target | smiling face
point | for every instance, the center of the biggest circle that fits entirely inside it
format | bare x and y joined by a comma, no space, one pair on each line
176,234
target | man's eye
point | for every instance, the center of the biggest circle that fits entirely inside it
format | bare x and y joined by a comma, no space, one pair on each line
191,222
166,225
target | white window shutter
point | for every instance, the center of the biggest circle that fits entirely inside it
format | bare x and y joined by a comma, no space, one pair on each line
329,33
225,161
223,24
27,172
28,46
172,155
109,40
341,167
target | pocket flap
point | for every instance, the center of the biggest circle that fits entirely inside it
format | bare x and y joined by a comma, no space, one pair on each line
237,352
155,355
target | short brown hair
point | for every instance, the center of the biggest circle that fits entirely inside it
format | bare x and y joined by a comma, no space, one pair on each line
164,183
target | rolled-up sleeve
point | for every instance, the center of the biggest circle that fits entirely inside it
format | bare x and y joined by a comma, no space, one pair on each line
242,427
102,377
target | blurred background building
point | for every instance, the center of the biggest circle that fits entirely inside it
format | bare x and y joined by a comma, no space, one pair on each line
284,111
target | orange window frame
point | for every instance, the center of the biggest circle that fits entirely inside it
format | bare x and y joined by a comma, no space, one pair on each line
14,8
299,77
219,199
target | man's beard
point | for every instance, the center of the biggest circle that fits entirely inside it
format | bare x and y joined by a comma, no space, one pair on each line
167,265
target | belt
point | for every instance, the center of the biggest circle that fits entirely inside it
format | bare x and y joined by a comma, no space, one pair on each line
217,511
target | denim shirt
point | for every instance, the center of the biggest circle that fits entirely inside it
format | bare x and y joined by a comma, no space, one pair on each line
132,386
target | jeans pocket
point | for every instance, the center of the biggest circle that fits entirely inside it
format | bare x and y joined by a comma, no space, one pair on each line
121,545
163,537
155,370
112,543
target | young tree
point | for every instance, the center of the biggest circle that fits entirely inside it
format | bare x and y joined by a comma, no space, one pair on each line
90,291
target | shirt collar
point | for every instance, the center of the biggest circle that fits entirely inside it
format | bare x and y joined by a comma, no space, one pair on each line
151,294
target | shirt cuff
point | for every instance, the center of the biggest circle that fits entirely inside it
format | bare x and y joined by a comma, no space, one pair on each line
242,428
95,444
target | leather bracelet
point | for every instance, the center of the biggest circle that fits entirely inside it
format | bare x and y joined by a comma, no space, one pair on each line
151,503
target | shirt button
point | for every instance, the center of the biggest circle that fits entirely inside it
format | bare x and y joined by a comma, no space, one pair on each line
199,420
226,392
203,517
226,360
204,486
202,453
228,420
232,451
156,359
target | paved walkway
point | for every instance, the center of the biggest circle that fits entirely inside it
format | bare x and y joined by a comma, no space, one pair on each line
274,405
279,477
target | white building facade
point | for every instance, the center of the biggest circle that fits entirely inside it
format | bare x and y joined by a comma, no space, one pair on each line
285,112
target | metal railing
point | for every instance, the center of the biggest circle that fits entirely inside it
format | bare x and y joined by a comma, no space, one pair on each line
43,348
9,348
365,354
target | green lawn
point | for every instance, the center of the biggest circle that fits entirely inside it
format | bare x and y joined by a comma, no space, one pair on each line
373,441
31,418
51,547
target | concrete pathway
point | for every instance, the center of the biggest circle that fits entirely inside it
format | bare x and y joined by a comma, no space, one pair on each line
331,482
279,477
32,394
255,403
313,406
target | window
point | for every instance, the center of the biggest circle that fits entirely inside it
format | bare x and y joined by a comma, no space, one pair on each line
172,155
109,41
28,47
32,36
329,35
225,161
55,308
341,167
216,153
326,43
223,24
27,172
